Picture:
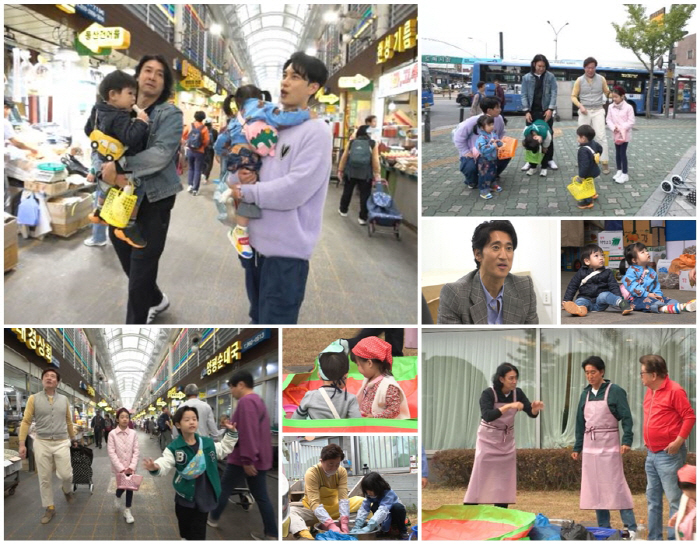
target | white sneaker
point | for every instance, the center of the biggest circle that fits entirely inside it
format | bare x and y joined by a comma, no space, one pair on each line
617,175
633,535
127,515
343,214
117,503
543,173
211,522
531,171
623,178
361,221
91,243
553,165
525,167
153,311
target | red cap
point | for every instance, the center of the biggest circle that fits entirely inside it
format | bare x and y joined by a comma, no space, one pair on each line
373,348
687,474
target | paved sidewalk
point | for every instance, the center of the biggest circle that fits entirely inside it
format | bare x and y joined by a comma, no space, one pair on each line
659,146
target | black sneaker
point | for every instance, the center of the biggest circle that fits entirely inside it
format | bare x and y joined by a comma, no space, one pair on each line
625,306
132,236
472,185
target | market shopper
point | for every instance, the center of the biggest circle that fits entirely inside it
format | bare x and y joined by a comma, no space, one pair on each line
494,478
196,139
291,193
165,426
207,423
251,458
123,449
358,166
668,420
155,168
98,426
51,413
108,427
602,408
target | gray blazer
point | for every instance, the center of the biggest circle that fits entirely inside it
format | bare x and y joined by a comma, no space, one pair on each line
463,302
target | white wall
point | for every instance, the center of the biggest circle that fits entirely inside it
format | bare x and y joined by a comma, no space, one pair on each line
446,252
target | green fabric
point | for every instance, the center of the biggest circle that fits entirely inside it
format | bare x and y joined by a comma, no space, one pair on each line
185,488
352,422
619,407
532,157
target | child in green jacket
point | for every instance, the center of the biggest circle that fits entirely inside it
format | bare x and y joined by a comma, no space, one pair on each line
196,481
537,139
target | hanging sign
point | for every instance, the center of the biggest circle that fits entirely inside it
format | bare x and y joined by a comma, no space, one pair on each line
356,82
34,341
97,37
175,394
193,77
226,357
151,408
102,404
399,81
90,391
401,39
89,11
161,402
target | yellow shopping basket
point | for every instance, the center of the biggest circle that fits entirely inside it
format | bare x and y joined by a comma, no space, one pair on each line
581,189
118,206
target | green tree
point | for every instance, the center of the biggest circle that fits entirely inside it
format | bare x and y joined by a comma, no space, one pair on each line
648,39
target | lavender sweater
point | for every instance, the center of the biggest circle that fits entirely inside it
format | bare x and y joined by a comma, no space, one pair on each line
291,192
465,139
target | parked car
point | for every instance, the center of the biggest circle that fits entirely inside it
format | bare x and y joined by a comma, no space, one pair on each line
464,98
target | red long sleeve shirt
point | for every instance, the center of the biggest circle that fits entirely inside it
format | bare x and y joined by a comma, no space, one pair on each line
667,415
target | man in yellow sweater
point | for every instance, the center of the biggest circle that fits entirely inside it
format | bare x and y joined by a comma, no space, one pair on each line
325,496
54,430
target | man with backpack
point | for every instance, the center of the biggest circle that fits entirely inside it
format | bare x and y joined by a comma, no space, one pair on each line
196,139
359,163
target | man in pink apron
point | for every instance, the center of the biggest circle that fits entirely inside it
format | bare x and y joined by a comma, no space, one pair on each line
603,485
493,479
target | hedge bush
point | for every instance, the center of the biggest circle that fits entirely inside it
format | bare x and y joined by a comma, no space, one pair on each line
538,470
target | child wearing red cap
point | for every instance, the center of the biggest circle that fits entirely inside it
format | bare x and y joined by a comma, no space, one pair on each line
380,395
684,519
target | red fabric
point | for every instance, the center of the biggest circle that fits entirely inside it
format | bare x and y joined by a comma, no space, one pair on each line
667,415
687,474
373,348
393,402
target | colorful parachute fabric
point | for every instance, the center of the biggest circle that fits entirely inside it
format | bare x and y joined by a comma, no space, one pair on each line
478,522
404,369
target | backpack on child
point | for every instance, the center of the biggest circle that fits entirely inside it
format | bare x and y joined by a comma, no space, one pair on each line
195,137
360,160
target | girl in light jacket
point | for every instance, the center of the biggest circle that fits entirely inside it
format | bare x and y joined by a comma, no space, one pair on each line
620,120
123,450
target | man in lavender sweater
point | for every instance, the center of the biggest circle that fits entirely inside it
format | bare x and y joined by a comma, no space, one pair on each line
251,458
465,141
291,193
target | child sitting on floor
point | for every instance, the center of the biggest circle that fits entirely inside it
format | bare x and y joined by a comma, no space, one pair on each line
385,506
642,283
331,400
596,286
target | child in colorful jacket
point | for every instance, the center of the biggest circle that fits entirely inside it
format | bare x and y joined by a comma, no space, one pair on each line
385,506
487,144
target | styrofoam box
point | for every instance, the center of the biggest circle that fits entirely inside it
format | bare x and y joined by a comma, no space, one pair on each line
611,241
684,281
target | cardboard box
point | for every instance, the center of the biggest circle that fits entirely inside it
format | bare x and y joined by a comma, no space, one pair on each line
611,241
49,189
684,281
657,253
13,443
637,231
10,230
11,257
68,229
64,210
662,266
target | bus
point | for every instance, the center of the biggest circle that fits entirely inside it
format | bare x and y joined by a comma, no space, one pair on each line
427,98
633,80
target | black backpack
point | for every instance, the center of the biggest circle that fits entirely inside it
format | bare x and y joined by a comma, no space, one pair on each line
360,159
195,138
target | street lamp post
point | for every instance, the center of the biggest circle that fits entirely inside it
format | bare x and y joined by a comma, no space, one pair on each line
556,36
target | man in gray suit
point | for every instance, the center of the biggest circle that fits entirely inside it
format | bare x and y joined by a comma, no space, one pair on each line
491,294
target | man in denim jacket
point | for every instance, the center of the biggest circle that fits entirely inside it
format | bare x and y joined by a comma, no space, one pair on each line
539,100
155,169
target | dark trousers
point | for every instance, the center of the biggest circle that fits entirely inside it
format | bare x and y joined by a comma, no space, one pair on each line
129,496
98,438
208,161
621,156
397,517
141,265
234,476
196,161
192,522
276,287
394,336
467,166
537,114
499,505
365,188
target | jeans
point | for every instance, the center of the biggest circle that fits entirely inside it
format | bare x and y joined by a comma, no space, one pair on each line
658,303
604,300
275,287
486,172
141,265
99,232
196,161
603,517
661,469
621,156
365,189
467,166
233,477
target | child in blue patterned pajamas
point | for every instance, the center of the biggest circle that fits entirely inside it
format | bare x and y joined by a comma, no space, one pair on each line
385,506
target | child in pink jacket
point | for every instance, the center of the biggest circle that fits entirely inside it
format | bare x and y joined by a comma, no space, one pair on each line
620,120
123,449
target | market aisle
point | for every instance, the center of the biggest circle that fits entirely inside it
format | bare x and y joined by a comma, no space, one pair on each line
92,517
200,273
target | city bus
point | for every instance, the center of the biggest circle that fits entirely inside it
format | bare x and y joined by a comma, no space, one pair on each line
633,80
427,98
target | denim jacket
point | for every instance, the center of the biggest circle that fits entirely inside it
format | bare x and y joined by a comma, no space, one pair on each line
549,91
155,167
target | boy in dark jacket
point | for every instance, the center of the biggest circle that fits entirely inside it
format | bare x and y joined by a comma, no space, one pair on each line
111,117
588,156
596,286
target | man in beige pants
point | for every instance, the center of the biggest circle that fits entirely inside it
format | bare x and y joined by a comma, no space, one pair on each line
54,431
590,94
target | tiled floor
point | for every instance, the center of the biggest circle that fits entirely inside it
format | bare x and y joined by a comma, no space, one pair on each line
92,517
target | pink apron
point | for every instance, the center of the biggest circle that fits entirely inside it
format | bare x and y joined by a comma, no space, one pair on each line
603,483
493,479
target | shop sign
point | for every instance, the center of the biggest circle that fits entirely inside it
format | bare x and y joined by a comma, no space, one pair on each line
175,393
151,408
97,37
230,354
161,402
401,39
356,82
399,81
193,77
34,341
209,84
255,340
90,391
89,11
324,98
102,403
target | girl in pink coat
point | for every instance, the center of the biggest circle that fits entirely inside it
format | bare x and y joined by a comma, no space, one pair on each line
620,120
123,449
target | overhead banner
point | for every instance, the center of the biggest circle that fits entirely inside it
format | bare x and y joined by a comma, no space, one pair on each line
399,81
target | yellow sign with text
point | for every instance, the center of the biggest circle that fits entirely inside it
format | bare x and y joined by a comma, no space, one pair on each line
401,39
97,37
34,341
226,357
175,394
90,391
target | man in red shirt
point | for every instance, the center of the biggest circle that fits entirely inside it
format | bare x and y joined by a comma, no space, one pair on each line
668,420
